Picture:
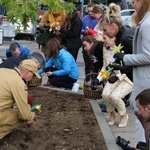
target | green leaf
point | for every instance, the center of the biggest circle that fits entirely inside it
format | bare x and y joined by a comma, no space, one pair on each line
25,9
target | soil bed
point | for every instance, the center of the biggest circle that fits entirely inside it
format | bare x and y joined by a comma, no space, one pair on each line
67,122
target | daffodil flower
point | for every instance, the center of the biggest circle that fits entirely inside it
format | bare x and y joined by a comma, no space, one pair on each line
105,74
117,49
53,25
37,107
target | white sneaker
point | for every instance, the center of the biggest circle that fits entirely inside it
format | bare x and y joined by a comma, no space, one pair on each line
75,87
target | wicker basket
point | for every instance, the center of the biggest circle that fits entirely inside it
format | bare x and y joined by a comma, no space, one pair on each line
89,93
35,82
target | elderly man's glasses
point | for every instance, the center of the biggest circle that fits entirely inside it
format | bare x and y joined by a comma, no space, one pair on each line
32,73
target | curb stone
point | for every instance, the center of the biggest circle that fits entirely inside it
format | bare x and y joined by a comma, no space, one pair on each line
107,134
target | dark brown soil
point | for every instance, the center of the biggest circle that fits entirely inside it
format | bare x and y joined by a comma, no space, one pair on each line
67,122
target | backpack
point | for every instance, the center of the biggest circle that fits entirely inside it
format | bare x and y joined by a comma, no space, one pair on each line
43,36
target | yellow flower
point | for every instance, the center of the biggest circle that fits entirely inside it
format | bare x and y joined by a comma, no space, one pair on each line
117,49
39,108
105,74
53,25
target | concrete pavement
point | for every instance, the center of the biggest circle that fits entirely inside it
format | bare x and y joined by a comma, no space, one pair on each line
110,133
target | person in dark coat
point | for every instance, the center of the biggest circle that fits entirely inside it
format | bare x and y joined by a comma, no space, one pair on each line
12,62
88,21
94,49
71,31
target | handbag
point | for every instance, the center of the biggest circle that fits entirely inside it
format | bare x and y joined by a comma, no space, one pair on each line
43,36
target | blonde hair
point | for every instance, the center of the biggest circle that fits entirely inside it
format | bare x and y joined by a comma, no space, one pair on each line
138,16
113,15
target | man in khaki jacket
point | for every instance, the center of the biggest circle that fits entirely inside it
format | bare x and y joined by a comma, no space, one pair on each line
14,90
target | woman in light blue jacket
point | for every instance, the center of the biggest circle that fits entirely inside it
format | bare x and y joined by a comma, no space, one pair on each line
61,67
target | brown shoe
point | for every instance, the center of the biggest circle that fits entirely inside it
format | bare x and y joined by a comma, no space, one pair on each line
123,121
47,83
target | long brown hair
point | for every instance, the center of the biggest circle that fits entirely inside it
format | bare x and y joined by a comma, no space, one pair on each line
69,17
67,23
90,40
143,10
53,46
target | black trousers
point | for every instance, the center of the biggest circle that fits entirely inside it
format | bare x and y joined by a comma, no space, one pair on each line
60,81
87,63
90,66
74,52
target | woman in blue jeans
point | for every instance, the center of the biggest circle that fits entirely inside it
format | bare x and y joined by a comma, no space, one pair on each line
61,68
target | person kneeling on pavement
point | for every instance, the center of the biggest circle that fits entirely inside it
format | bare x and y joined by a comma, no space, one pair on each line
17,49
14,90
61,68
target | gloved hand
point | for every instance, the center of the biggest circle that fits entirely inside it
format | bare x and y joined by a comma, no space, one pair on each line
118,57
115,67
95,82
113,79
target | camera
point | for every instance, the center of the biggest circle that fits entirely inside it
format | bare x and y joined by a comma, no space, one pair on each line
142,145
125,144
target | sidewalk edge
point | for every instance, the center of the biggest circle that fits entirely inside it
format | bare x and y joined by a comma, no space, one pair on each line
107,134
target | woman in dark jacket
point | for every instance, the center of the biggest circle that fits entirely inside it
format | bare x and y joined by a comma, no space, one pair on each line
120,84
125,38
94,49
71,31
